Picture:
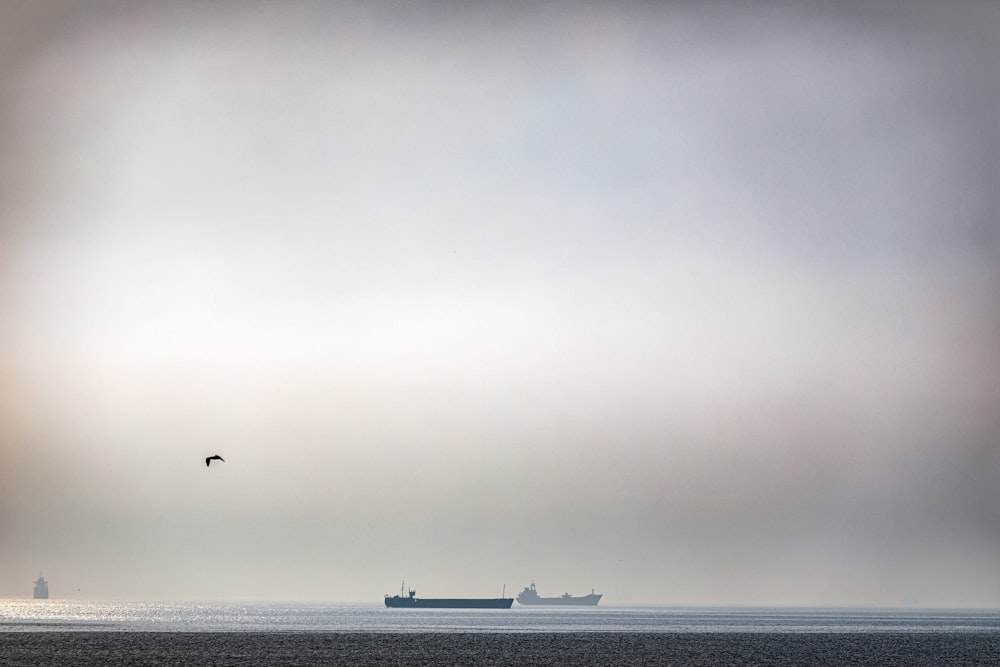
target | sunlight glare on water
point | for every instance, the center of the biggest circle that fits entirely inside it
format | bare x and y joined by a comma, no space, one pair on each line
55,615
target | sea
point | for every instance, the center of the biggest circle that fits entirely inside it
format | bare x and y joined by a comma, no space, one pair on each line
54,632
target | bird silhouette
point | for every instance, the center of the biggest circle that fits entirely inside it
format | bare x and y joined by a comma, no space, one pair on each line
214,457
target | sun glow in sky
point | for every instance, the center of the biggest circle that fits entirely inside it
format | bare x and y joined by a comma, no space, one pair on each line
691,305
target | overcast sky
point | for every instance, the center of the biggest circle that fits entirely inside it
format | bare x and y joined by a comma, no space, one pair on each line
692,303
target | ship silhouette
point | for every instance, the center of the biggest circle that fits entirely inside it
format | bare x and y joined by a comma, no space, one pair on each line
530,596
41,589
411,601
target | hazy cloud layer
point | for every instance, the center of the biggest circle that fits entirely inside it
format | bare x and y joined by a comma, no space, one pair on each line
693,305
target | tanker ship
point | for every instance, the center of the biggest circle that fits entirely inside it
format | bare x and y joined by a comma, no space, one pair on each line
411,601
530,596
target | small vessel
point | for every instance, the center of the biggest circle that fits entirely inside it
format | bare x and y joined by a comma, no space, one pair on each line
411,601
530,596
41,589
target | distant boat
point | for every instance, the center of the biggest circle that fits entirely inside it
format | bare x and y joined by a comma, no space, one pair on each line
530,596
411,601
41,589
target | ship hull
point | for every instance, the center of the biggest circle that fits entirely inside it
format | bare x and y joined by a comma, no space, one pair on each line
397,602
582,601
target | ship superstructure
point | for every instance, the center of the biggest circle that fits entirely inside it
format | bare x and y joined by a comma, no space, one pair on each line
41,589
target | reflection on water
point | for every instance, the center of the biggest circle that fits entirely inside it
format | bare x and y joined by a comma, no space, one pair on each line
52,615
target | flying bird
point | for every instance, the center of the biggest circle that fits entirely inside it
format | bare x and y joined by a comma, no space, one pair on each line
215,457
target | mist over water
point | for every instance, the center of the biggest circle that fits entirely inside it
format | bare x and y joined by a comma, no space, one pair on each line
687,305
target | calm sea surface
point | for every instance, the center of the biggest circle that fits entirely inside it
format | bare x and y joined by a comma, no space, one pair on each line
58,615
53,632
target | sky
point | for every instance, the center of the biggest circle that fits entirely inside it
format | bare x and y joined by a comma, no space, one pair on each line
689,303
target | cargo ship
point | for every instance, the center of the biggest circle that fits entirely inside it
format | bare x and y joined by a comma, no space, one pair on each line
41,589
530,596
411,601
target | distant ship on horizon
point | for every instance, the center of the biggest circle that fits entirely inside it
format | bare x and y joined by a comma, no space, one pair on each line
41,589
530,596
411,601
